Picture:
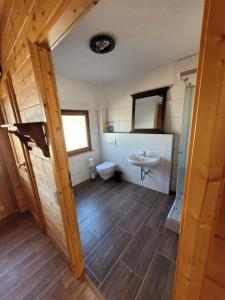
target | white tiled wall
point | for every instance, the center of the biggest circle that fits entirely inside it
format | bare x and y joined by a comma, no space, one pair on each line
121,118
117,98
117,146
173,122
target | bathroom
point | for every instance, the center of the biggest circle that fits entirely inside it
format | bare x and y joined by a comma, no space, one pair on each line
127,227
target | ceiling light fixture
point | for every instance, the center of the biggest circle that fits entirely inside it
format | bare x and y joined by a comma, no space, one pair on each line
102,44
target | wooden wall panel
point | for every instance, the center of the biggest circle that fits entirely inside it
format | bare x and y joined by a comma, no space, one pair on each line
212,290
220,226
24,78
33,114
9,119
6,197
3,213
216,264
48,195
28,97
11,176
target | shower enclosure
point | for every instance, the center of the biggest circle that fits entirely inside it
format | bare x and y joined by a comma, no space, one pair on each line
174,216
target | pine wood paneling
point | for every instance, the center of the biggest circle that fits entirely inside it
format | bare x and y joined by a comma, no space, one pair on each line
212,290
216,265
24,78
33,114
13,179
220,226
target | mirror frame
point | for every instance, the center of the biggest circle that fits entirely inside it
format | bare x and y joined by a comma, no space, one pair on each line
162,92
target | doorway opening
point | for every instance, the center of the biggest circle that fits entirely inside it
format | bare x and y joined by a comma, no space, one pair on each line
122,219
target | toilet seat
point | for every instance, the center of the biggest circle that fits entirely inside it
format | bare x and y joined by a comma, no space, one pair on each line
106,166
106,169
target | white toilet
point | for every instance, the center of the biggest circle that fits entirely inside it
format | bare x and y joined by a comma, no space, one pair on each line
106,169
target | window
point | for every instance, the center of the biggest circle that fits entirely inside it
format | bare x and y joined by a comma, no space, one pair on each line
76,131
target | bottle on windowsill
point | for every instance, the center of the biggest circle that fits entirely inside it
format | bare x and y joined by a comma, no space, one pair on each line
111,127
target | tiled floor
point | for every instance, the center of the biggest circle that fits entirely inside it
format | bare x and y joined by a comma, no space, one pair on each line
128,252
31,268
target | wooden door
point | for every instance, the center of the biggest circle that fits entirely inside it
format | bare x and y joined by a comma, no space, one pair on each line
23,163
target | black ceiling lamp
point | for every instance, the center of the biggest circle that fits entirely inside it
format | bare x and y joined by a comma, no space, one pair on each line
102,44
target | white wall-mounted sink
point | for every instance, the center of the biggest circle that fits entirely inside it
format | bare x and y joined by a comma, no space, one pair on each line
139,160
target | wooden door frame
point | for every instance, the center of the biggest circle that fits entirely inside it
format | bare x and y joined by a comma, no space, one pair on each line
205,177
45,80
40,53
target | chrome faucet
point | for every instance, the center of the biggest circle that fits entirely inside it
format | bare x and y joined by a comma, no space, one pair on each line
143,153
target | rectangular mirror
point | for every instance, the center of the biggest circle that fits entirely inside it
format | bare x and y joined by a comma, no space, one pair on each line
148,111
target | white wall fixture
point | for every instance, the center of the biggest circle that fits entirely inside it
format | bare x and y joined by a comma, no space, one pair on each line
145,162
116,147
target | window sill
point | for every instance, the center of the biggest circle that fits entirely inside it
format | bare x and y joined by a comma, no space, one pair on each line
79,152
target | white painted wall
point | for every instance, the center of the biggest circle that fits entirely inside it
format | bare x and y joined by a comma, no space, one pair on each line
74,94
118,102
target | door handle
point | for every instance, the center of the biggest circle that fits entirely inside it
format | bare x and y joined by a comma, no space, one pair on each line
21,165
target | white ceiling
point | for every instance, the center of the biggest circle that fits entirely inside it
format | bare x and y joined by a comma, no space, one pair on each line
148,33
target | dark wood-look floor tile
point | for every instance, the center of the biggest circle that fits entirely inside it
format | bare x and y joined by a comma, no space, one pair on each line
121,284
87,188
158,283
92,277
141,190
72,289
124,202
19,253
95,231
141,250
16,236
37,287
104,223
168,199
95,211
133,219
127,207
88,241
149,198
123,188
105,255
169,244
89,212
15,274
157,218
32,268
58,291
